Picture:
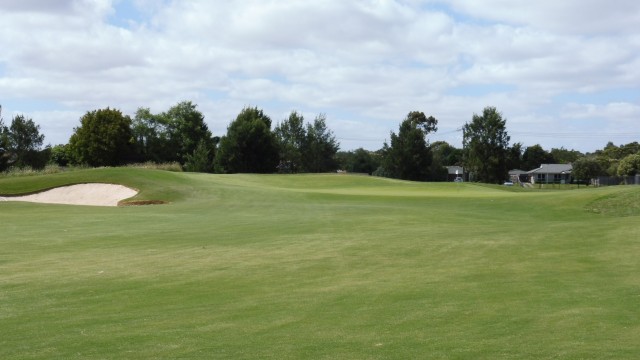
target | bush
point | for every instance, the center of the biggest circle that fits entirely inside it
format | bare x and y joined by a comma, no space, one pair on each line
61,155
168,166
29,171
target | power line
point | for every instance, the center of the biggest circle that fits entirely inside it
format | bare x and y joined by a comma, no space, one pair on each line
551,135
574,135
353,139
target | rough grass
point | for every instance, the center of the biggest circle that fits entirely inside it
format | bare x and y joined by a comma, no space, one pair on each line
322,267
619,203
27,171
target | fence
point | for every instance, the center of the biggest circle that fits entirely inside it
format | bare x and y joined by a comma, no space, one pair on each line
616,180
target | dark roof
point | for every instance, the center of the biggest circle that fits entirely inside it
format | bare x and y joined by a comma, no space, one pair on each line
552,169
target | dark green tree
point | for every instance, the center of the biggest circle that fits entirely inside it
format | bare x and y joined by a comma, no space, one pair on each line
104,138
61,155
514,157
630,149
437,170
171,136
486,144
611,156
291,136
152,137
611,151
187,129
629,165
587,168
319,147
409,156
4,144
446,154
534,156
201,160
359,161
443,155
249,145
564,156
24,143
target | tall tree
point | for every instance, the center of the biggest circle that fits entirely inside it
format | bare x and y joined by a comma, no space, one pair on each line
25,141
174,135
629,165
514,157
587,168
319,147
409,157
104,138
4,144
486,143
152,137
291,136
534,156
187,129
249,145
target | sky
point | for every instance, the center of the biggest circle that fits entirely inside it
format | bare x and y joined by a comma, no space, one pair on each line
562,73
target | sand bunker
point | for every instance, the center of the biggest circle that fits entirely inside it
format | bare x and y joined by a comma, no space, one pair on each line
81,194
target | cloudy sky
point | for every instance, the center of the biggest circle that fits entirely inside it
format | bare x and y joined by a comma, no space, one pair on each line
563,73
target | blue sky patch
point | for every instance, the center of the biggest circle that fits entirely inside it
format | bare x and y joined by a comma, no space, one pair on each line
26,106
127,13
457,16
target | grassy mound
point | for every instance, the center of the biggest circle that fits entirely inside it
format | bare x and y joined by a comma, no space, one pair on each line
315,266
154,185
619,203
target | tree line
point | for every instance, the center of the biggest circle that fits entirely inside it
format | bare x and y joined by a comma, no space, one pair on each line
107,137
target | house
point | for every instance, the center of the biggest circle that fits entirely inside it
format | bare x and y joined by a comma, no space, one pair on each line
454,172
551,174
518,176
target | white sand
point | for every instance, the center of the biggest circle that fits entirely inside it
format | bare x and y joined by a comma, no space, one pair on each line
81,194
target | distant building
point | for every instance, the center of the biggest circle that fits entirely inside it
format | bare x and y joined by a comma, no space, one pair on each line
518,176
454,172
551,174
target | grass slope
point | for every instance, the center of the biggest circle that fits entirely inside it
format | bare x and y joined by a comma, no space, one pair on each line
317,266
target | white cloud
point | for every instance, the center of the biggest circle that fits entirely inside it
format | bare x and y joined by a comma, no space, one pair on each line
568,16
614,113
56,125
366,62
37,6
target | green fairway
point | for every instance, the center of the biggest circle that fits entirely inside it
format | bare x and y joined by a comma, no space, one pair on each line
319,267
